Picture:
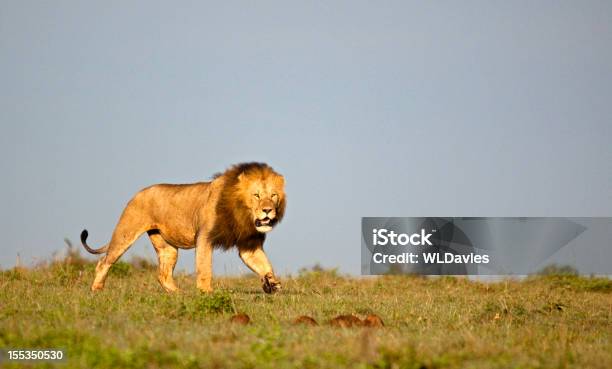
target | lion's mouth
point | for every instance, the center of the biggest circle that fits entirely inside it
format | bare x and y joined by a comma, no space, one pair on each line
263,222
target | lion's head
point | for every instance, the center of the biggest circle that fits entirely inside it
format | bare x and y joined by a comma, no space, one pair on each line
263,192
252,202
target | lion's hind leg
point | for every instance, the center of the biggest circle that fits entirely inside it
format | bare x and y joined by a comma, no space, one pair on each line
117,247
167,256
101,272
124,236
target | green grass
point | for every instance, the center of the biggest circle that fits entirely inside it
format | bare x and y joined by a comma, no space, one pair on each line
549,321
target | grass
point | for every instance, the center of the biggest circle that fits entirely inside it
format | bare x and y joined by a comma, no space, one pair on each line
548,321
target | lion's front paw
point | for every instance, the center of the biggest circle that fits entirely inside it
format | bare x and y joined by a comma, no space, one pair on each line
271,284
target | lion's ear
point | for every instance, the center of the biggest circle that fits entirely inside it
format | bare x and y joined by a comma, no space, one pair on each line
240,177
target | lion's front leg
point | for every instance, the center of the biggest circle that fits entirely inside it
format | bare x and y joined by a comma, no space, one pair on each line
204,251
258,262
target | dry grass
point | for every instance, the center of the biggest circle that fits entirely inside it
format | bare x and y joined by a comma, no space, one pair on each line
544,322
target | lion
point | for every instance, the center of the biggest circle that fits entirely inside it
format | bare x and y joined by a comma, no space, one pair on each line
235,209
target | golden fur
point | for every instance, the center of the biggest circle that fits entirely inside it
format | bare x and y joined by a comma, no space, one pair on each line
236,208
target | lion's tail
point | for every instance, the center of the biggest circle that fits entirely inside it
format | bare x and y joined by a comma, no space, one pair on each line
84,235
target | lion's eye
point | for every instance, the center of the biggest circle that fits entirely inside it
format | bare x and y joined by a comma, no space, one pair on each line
256,195
274,195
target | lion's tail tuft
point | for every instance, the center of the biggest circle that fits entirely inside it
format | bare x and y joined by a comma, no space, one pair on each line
84,235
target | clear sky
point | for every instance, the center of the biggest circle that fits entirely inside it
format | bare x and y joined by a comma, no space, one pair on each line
430,108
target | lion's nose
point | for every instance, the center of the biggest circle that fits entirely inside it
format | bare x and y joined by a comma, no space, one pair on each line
266,210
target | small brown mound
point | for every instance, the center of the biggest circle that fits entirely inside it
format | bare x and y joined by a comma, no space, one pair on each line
306,320
242,319
346,321
373,320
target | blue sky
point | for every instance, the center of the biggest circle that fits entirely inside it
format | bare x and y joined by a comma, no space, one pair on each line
477,108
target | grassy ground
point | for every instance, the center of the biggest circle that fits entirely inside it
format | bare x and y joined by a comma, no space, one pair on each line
544,322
